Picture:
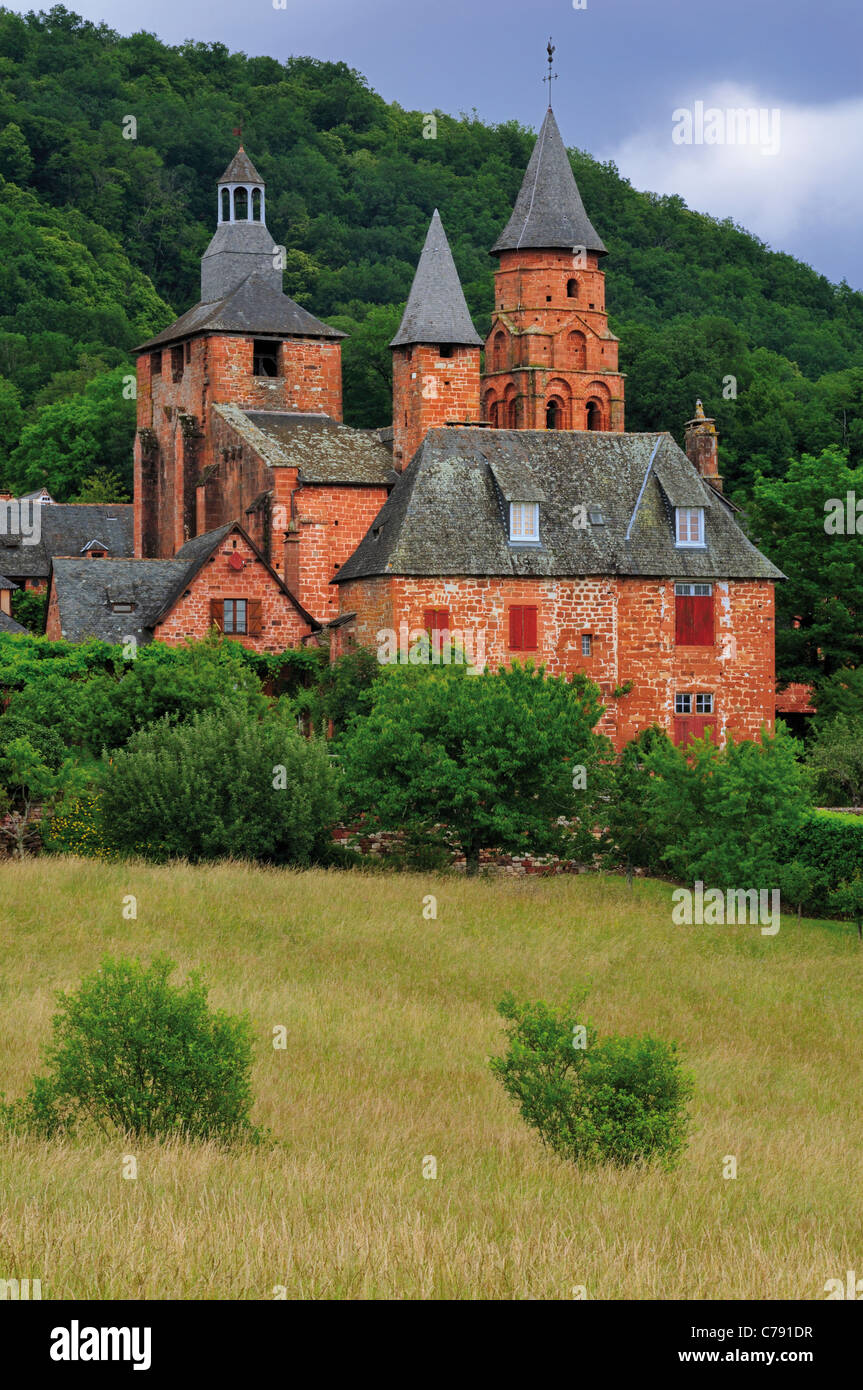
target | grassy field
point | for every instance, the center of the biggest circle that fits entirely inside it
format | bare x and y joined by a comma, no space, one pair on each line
390,1021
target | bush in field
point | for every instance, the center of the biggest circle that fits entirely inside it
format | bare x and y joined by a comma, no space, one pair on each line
222,784
618,1100
131,1051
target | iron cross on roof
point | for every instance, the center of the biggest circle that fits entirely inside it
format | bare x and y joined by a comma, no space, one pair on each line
551,76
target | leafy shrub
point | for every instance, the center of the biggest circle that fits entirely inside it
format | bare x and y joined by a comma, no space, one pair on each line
78,828
223,784
132,1051
619,1100
832,846
726,815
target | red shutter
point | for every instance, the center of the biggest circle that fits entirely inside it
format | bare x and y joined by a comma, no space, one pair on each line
516,629
683,620
217,613
529,628
253,616
683,730
436,619
694,620
702,620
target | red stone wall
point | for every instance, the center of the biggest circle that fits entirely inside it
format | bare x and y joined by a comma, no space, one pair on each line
552,345
632,626
281,625
428,391
52,617
219,371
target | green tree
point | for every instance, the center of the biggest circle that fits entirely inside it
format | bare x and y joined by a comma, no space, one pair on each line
220,786
16,161
725,816
492,759
68,441
835,757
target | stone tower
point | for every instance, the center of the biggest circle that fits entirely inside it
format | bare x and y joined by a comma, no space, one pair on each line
435,352
244,344
550,359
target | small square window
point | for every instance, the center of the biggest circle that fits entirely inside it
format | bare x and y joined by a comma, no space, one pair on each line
683,704
704,704
586,644
524,522
690,525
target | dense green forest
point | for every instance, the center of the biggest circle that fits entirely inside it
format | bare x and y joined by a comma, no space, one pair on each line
101,237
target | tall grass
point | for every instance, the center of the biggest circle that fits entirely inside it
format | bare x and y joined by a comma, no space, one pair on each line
390,1020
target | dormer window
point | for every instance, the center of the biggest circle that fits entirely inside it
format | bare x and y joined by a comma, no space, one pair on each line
689,522
524,523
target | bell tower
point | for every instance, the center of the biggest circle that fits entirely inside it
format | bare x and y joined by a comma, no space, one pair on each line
550,358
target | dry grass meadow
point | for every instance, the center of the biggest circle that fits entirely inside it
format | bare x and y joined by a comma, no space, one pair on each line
390,1021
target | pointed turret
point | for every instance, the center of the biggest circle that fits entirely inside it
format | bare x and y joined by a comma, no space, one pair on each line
548,211
435,352
436,311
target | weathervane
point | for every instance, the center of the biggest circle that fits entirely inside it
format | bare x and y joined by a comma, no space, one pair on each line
552,76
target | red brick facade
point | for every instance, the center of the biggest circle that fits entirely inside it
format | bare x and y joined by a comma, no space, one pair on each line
550,358
177,385
276,623
429,390
631,626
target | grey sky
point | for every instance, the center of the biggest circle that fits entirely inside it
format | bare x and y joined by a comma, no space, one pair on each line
625,67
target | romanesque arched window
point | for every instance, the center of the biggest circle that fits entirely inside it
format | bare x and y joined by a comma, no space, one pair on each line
554,414
256,204
572,289
594,415
241,205
499,351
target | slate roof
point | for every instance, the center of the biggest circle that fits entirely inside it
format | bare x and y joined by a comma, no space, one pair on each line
8,624
241,170
7,583
436,309
253,307
447,514
65,528
86,590
548,210
323,449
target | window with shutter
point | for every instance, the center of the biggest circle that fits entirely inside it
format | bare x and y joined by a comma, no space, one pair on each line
217,618
693,613
235,616
522,628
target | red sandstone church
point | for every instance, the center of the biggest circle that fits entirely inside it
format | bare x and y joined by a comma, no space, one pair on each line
506,502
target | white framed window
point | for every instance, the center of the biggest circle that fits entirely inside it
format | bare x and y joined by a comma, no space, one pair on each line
704,704
683,704
586,643
693,590
524,522
690,525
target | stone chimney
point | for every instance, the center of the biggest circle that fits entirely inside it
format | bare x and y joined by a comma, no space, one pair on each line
702,446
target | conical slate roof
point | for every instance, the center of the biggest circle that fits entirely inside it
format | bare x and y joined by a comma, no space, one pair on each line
241,170
436,311
548,210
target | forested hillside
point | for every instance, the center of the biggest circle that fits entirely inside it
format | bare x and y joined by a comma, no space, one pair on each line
101,236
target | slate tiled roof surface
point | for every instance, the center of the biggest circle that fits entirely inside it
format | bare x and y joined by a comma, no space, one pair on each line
436,310
323,449
548,211
8,624
66,528
241,170
447,514
253,307
86,589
